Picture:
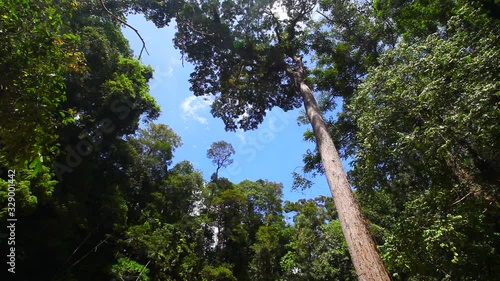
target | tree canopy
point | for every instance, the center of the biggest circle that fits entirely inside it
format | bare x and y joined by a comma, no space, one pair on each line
408,91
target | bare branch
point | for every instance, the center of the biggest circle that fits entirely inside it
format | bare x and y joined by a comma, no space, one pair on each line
461,199
198,31
89,252
142,270
325,16
277,27
76,250
131,27
188,24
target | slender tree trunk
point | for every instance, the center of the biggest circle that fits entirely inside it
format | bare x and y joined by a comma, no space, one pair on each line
362,249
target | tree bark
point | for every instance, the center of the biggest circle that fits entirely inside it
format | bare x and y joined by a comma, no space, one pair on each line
362,249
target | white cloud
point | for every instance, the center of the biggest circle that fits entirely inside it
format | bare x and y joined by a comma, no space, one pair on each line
272,123
241,135
279,10
161,72
316,16
160,75
175,61
193,107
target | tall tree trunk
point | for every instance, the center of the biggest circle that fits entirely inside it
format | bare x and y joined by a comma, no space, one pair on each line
362,249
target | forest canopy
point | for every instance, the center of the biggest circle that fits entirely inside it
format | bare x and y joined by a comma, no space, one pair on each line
408,92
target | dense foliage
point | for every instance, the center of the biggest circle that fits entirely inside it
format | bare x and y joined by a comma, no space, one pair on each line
99,195
428,138
420,127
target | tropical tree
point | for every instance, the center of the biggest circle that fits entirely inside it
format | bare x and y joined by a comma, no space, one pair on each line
77,202
155,146
36,53
428,127
316,243
220,153
266,228
251,59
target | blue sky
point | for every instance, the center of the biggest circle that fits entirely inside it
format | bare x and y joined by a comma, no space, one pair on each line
271,152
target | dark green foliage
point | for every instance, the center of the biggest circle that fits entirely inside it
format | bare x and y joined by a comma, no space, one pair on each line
220,153
317,249
126,269
346,42
428,127
417,19
421,129
220,273
35,54
100,198
242,54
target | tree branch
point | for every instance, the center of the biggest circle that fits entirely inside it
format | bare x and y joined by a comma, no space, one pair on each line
142,270
188,24
461,199
277,27
76,250
325,16
131,27
89,252
199,31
